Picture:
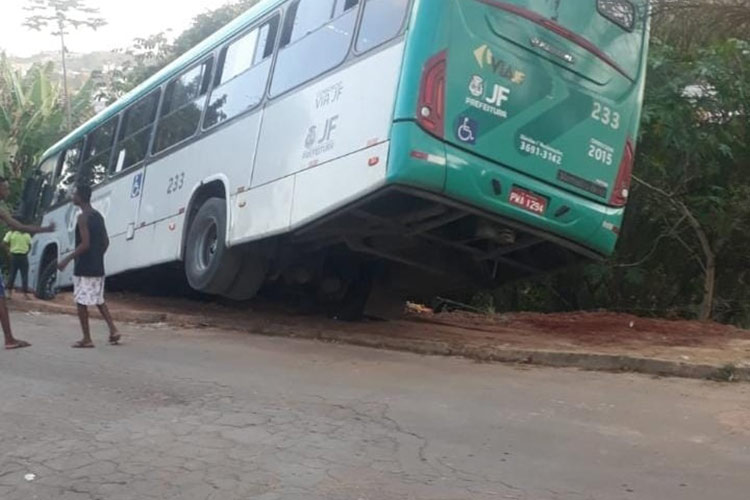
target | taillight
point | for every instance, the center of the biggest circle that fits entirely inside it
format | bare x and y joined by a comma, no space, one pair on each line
624,176
431,108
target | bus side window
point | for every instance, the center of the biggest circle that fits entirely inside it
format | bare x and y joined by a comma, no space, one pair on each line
68,173
135,133
315,38
381,22
37,191
47,188
97,153
242,73
182,108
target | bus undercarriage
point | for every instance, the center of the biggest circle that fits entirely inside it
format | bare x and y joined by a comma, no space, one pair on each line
411,244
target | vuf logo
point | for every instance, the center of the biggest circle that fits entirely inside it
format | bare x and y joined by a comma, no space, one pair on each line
486,58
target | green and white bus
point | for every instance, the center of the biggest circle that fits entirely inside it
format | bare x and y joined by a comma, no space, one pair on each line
444,143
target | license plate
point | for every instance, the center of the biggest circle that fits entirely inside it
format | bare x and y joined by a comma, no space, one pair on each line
528,201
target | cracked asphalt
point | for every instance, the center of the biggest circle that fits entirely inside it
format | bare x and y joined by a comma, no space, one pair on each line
205,414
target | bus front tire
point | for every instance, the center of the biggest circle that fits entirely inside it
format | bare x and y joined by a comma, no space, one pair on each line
46,288
210,266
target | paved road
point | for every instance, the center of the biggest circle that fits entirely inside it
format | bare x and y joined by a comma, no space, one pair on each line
214,415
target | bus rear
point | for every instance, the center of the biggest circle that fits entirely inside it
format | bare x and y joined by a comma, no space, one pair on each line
527,109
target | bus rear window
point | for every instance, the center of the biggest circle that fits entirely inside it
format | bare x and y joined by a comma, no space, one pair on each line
620,12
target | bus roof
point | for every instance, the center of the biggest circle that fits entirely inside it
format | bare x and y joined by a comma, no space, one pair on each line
166,73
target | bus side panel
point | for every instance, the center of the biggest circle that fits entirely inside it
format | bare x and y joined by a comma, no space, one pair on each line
119,202
345,112
353,177
155,244
261,212
170,180
318,142
116,194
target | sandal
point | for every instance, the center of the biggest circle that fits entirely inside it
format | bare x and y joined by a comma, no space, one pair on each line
18,344
115,339
83,345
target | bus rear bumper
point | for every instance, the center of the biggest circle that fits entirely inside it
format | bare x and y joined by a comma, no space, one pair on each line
422,161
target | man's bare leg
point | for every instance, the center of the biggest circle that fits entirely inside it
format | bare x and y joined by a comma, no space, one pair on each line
83,316
114,333
10,341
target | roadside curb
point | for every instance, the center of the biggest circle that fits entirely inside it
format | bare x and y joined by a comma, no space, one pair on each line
484,353
138,317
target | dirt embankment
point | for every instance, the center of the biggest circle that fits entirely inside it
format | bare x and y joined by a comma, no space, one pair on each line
612,340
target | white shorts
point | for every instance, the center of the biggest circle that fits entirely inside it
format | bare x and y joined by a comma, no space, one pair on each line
88,291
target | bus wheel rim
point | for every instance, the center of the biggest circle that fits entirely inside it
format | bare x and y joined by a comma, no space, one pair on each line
209,245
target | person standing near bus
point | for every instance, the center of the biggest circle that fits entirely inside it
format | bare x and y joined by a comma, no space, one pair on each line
19,245
10,341
92,242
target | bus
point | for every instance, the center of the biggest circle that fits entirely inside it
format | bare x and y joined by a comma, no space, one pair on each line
419,146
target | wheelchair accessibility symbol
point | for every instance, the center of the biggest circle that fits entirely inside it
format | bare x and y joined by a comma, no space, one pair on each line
466,130
135,191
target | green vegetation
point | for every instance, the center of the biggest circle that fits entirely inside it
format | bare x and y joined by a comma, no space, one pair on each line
32,116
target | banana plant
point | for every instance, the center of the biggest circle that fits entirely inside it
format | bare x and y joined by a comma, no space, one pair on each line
31,115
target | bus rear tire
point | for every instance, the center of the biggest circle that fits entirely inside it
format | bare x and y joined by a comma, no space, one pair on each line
210,266
46,288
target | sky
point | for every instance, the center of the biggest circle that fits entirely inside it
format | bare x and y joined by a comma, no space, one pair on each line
128,19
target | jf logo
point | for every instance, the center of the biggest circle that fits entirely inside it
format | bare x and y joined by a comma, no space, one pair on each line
499,95
329,127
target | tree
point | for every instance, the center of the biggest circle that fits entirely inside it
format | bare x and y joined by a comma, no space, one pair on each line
148,55
691,24
208,23
30,116
60,16
695,154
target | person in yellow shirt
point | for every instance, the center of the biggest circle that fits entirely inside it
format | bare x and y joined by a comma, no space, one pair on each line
19,244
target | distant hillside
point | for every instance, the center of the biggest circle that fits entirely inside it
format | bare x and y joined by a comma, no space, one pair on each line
80,66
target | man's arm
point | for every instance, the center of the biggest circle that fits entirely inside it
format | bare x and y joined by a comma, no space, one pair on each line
14,224
83,228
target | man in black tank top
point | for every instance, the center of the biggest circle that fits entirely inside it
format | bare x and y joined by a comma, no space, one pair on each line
92,243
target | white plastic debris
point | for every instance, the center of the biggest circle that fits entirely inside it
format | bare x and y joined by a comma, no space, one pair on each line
30,477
